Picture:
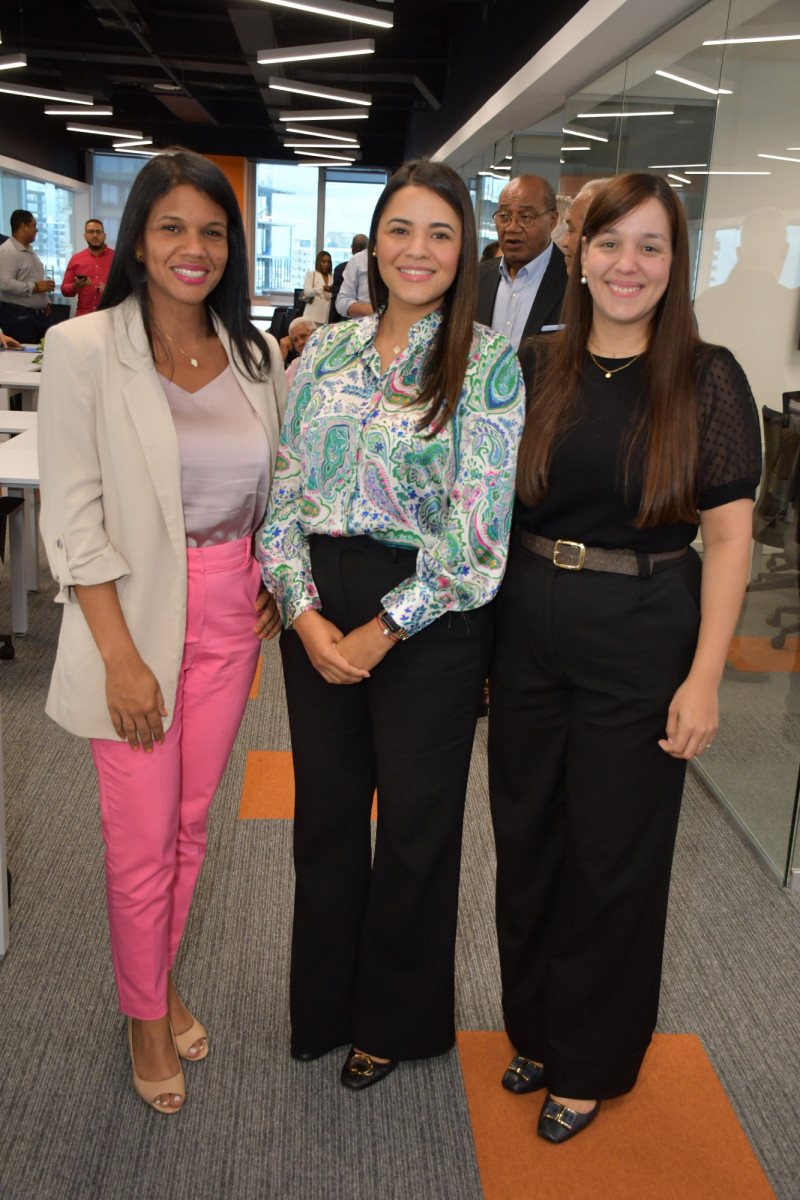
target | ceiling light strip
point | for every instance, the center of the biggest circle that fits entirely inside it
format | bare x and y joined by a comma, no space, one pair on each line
106,131
35,93
582,133
680,178
674,166
656,112
277,84
132,142
784,37
729,172
330,146
325,114
79,112
780,157
701,87
332,157
313,131
311,53
9,61
358,13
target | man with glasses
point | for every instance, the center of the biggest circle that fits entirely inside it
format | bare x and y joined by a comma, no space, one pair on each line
87,271
521,293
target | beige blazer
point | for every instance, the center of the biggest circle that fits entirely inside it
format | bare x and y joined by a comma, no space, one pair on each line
110,475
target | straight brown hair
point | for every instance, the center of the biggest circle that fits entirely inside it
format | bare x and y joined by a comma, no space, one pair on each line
666,423
442,376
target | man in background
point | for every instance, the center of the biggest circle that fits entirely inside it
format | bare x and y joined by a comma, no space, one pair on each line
521,293
87,271
358,244
300,331
575,217
353,299
24,291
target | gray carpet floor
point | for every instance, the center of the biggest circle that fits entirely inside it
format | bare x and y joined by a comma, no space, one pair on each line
258,1126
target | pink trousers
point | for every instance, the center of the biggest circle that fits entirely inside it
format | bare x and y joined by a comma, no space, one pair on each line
154,807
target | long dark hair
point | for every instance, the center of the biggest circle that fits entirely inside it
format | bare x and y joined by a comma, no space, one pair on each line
230,299
442,376
323,254
666,424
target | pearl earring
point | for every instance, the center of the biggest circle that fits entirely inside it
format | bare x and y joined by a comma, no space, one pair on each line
583,277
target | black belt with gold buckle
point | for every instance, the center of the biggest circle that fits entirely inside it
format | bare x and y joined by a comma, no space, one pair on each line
574,556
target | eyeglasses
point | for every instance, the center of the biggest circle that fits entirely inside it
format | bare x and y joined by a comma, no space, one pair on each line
526,219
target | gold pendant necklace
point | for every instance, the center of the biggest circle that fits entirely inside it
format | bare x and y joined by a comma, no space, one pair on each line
193,361
614,370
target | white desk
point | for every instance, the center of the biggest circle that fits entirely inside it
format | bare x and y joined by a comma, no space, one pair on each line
18,374
17,422
19,469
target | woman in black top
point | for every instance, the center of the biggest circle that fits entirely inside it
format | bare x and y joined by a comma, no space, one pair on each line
610,649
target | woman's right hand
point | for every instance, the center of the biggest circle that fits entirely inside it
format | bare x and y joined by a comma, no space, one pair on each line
135,702
320,639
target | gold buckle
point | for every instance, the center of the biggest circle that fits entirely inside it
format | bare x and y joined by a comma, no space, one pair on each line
367,1069
559,1116
579,546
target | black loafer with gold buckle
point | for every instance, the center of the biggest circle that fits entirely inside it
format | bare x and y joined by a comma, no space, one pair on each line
557,1123
523,1076
361,1071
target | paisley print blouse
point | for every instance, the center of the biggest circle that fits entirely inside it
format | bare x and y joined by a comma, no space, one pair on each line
352,461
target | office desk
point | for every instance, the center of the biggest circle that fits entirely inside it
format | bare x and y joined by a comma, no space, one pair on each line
19,470
18,374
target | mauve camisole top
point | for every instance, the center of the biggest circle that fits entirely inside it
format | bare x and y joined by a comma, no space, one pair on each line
225,460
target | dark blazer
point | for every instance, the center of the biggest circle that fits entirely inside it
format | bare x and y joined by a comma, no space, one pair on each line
338,276
546,307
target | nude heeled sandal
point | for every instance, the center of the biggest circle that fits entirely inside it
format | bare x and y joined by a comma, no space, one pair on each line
185,1041
150,1089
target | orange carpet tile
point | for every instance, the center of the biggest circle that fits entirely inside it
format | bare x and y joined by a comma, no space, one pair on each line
268,788
675,1137
256,680
756,654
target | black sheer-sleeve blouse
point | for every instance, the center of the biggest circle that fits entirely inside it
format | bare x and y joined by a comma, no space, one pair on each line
586,499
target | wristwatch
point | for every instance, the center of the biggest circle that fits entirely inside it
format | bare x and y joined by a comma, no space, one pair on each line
390,626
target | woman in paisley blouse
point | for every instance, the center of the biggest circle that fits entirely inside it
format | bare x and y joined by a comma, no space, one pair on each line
384,541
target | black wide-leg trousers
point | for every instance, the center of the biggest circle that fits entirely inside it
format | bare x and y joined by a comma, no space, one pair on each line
373,943
585,808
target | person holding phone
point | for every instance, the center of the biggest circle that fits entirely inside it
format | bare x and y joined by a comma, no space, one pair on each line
87,271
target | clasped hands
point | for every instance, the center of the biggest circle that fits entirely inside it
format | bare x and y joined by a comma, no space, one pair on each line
340,658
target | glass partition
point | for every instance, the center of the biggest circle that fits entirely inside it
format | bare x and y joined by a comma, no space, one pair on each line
716,115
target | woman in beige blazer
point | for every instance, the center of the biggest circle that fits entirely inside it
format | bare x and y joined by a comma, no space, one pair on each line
159,427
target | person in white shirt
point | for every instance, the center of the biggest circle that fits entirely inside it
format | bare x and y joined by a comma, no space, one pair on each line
353,298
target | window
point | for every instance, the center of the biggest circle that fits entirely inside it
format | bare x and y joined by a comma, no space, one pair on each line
52,208
350,199
286,226
113,178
